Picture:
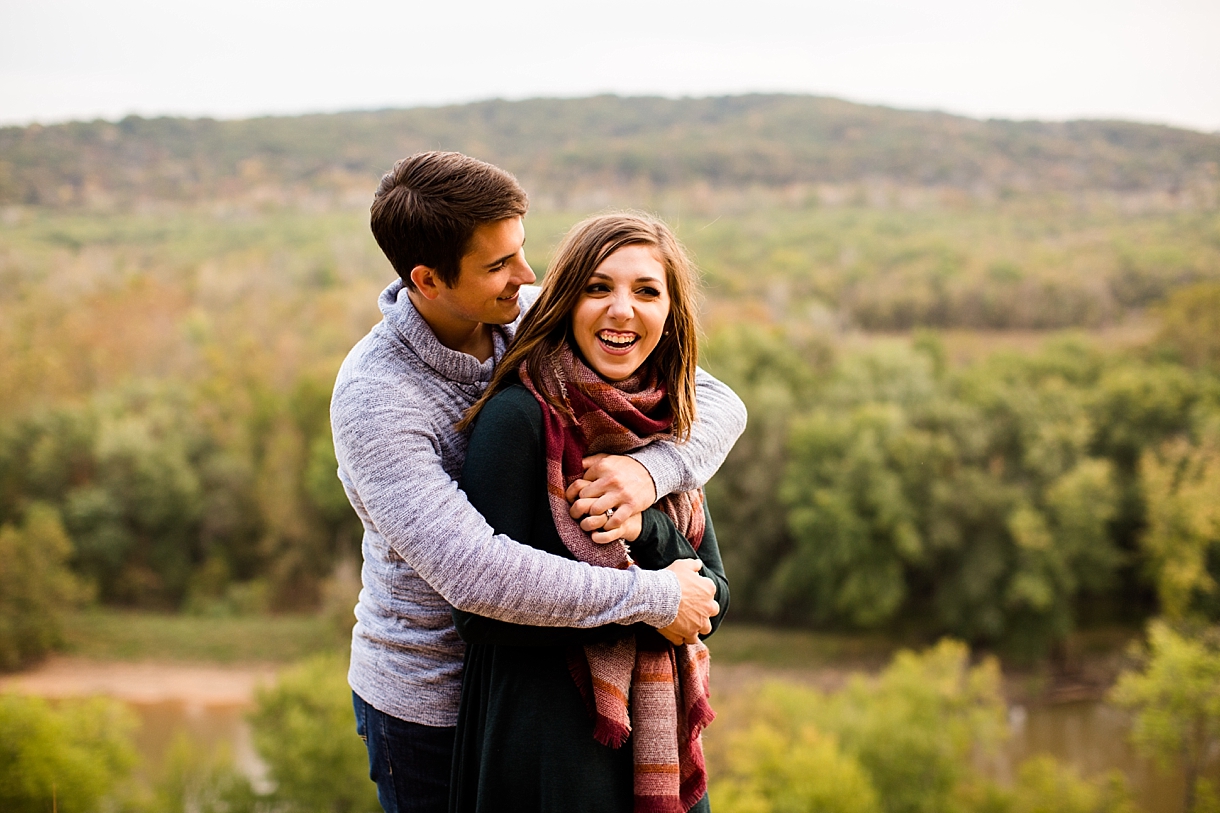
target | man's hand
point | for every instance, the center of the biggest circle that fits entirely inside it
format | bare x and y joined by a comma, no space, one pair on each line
697,607
611,482
628,529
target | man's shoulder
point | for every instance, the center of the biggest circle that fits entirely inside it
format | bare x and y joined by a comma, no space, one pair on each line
378,362
529,295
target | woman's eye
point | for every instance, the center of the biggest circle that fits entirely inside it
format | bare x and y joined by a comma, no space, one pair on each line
649,292
596,288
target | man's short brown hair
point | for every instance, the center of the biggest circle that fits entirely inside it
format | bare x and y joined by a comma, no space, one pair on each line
428,206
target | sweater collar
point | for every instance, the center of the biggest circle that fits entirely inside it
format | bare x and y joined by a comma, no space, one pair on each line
401,316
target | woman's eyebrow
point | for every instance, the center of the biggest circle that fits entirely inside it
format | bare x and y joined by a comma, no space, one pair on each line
645,278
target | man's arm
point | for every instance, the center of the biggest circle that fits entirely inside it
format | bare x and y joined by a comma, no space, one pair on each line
720,418
658,546
392,462
505,479
665,467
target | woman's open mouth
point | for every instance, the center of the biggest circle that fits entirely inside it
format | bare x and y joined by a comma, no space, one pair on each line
615,342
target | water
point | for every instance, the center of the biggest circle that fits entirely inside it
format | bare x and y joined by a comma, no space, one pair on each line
208,727
1093,738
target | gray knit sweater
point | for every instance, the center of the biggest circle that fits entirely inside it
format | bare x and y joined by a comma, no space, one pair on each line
397,397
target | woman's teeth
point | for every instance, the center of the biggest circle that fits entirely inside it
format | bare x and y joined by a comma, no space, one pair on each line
618,339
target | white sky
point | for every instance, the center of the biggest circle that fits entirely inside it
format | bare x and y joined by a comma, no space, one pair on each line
1147,60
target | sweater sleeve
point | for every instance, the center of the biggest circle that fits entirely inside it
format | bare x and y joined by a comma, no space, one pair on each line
663,546
503,472
720,420
389,458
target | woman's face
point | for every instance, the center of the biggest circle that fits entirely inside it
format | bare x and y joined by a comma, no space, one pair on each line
621,315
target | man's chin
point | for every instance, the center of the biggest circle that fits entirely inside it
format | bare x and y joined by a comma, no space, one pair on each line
507,315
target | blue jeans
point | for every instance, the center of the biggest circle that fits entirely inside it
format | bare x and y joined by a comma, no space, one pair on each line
409,762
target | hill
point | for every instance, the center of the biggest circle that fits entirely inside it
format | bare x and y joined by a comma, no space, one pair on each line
561,148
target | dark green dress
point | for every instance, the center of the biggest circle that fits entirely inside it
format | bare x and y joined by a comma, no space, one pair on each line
524,734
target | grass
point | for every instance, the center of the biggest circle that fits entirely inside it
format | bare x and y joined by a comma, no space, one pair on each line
107,634
799,649
127,635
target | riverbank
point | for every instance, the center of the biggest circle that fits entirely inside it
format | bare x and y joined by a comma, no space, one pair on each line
142,683
150,657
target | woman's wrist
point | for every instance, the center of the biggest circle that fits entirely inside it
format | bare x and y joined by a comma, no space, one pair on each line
644,526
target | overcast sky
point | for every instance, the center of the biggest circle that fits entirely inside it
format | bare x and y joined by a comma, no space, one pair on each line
1147,60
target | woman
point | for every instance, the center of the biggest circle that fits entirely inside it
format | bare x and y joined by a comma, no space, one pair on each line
606,719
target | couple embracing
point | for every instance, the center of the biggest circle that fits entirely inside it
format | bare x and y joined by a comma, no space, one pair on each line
539,564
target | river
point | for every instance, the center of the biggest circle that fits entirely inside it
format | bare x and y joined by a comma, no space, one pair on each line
1089,735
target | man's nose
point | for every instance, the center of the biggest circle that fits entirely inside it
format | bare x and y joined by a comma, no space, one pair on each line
525,275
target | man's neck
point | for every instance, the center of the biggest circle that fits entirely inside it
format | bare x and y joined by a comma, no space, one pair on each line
462,335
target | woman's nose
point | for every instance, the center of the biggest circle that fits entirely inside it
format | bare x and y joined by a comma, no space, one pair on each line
620,306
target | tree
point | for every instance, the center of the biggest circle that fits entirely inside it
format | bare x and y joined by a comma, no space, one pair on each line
1045,786
36,586
913,730
916,728
777,383
1190,324
853,526
1176,700
1181,485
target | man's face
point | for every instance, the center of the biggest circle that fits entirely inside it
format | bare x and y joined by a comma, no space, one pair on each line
492,270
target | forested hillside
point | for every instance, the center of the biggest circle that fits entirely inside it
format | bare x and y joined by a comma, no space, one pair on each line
176,296
562,148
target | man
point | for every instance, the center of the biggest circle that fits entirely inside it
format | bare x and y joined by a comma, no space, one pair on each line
452,228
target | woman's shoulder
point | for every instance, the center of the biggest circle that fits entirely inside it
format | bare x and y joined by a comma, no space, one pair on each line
512,407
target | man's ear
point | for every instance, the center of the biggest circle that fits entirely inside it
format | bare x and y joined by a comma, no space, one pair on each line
426,281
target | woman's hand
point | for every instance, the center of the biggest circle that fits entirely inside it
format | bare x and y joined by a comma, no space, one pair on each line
616,484
627,529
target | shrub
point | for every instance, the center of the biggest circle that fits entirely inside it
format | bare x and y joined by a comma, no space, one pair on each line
67,759
775,772
1176,701
194,781
305,730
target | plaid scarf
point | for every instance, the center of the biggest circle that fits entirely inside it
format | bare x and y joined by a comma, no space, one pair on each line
665,686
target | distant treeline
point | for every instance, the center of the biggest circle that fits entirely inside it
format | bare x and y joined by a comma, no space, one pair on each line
568,147
1001,502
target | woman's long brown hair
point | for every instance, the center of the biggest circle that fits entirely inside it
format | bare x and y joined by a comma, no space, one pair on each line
548,323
